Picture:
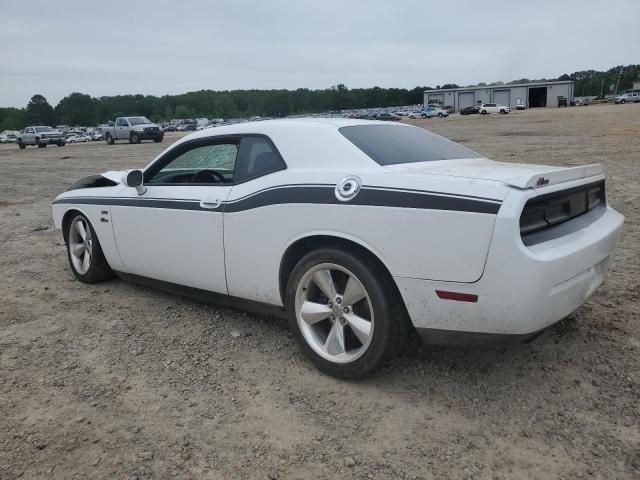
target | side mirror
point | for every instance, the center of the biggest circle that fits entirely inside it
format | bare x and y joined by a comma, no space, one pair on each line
135,179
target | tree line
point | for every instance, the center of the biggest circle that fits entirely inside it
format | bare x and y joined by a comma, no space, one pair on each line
79,109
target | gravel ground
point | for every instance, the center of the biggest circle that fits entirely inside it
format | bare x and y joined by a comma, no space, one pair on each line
120,381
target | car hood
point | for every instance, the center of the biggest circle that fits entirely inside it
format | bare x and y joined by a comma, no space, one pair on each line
115,175
517,175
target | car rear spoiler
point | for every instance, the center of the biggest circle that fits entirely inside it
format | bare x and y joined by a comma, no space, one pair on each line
553,177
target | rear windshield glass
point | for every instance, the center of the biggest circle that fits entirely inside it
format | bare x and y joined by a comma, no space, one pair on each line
391,144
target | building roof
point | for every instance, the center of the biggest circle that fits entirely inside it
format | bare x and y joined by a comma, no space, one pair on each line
501,87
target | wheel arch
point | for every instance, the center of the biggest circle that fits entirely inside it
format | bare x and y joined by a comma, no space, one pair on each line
300,246
66,218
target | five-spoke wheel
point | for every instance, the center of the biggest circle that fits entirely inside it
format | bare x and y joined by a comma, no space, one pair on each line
80,245
344,311
86,258
334,312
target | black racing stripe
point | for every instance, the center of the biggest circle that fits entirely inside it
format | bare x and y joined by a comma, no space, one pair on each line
313,194
400,199
136,202
310,194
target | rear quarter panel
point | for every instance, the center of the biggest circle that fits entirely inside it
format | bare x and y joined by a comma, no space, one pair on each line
411,242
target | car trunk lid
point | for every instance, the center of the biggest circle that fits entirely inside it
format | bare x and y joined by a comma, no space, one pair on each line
513,174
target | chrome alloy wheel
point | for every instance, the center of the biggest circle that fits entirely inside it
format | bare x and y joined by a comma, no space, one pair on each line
80,245
334,313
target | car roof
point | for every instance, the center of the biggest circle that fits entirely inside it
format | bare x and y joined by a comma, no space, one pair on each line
303,142
263,126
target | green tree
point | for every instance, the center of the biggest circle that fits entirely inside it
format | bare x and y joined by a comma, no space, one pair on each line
78,109
168,113
39,112
184,112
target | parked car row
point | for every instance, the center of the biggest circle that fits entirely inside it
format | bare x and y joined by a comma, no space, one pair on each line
8,138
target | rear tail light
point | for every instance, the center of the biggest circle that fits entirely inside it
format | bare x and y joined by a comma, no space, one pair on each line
552,209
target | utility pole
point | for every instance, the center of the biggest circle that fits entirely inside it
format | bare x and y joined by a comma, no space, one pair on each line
602,88
618,81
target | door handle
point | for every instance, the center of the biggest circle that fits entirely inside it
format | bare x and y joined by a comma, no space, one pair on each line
210,203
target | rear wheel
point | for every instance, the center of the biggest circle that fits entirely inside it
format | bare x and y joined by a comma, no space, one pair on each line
343,313
109,139
483,112
623,101
21,145
86,259
423,116
440,115
158,140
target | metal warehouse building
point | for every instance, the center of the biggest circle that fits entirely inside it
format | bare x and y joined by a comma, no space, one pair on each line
539,94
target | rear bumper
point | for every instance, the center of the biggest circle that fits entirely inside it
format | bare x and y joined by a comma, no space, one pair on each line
523,289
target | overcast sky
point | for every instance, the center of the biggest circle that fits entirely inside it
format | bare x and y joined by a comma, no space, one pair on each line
168,47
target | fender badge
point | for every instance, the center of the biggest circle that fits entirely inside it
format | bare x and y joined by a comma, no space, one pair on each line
348,188
542,181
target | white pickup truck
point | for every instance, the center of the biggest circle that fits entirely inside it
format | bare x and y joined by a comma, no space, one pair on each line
134,129
40,136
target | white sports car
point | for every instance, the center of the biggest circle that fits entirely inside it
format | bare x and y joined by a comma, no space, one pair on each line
355,230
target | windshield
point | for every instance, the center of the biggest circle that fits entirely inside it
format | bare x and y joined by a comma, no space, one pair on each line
139,120
392,145
44,129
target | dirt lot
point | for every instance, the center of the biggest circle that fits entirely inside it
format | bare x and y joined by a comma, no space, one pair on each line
120,381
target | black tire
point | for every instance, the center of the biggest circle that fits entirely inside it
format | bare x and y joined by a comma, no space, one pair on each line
99,269
440,115
423,116
109,139
391,324
502,112
623,101
61,144
483,112
134,138
158,140
21,145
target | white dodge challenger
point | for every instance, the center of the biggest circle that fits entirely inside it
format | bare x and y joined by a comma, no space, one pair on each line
355,230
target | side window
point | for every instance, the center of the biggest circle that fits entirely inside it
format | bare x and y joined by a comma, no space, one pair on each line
122,122
257,157
204,164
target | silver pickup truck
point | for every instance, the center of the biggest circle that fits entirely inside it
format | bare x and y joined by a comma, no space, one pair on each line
40,136
134,129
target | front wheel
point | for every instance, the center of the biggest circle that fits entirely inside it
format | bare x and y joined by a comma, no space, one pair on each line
158,140
623,101
343,313
483,112
440,115
86,259
134,138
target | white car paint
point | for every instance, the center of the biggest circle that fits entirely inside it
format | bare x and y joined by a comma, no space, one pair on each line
238,251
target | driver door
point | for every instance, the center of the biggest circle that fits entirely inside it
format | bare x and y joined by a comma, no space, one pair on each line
174,231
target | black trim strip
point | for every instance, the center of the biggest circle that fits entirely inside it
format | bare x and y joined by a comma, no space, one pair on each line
308,194
205,296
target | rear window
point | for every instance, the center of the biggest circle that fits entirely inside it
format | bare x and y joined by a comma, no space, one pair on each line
392,145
